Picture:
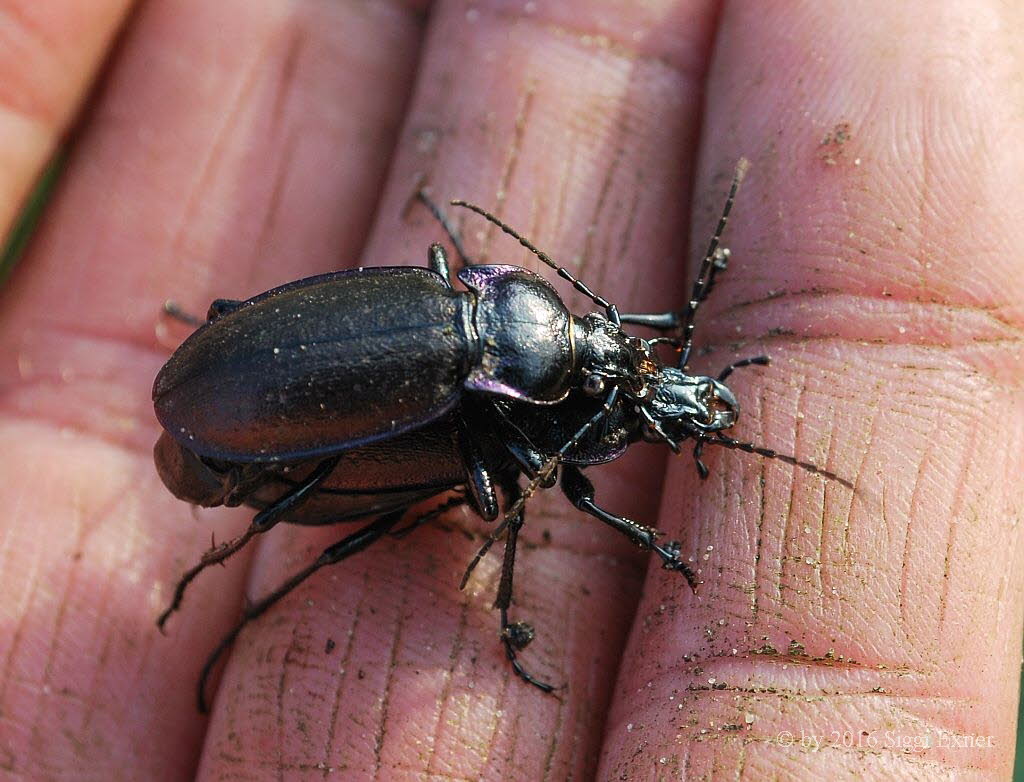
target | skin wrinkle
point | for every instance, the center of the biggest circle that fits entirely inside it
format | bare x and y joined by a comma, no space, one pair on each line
297,40
883,707
391,670
626,238
195,196
107,597
603,40
39,732
511,159
822,525
819,556
270,218
869,443
628,54
568,166
9,662
1011,511
560,715
20,609
784,536
888,753
603,189
444,699
341,676
279,691
485,760
955,512
934,309
759,547
741,761
908,540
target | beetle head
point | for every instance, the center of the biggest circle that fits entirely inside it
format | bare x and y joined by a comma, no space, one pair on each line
679,403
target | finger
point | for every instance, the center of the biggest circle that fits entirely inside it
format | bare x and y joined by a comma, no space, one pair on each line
233,147
875,257
48,60
574,124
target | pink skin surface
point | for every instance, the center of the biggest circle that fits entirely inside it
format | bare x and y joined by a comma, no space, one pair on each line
232,146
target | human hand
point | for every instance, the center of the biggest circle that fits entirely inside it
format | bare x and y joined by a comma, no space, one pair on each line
232,147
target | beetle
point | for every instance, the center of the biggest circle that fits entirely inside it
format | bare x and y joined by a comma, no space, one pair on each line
359,394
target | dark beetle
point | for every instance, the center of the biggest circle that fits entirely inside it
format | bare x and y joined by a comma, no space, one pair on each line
361,393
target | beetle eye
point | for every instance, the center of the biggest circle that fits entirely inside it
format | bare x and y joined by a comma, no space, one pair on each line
593,385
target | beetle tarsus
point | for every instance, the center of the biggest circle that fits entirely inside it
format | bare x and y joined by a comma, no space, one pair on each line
672,561
702,469
580,491
516,636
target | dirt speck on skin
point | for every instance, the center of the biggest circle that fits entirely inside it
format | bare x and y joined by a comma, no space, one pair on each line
830,148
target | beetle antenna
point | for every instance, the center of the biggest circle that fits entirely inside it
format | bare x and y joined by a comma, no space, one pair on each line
739,445
715,260
761,361
564,273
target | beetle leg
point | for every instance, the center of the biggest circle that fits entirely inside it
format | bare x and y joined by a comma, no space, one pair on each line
523,452
221,307
437,262
478,477
174,310
702,469
661,321
580,491
446,224
515,636
430,515
715,260
261,522
331,555
531,461
217,308
671,321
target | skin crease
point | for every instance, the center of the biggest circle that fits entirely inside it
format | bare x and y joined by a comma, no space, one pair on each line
230,147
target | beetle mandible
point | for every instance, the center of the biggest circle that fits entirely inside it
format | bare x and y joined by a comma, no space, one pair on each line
359,394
